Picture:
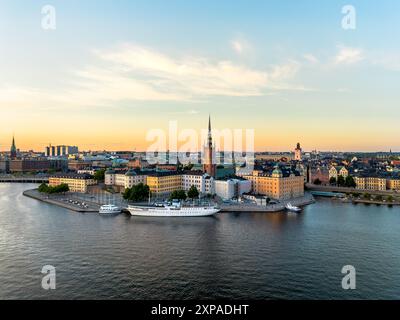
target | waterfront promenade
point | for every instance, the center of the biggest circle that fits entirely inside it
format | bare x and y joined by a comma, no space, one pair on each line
314,187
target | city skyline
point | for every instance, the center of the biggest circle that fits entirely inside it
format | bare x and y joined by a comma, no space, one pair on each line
286,70
201,148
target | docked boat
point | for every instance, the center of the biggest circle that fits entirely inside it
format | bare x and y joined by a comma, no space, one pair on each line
109,209
292,208
173,210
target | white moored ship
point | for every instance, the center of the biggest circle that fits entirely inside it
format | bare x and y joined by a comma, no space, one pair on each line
109,209
174,210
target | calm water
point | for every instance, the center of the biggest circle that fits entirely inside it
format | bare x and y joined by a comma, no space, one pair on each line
241,256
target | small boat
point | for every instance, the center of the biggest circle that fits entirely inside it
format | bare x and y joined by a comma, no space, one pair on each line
290,207
109,209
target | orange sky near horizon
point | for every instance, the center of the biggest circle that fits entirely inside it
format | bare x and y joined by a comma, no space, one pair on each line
129,139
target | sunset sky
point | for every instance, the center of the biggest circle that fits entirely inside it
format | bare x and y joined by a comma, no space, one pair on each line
112,70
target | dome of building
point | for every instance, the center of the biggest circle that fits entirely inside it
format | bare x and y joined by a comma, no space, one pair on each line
131,173
277,172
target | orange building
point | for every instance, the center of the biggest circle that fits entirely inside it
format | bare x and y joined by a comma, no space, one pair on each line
281,184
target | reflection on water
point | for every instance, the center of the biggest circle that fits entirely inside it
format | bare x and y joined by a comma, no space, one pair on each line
236,255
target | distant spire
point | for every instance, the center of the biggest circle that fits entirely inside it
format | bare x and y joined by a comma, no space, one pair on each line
13,150
209,131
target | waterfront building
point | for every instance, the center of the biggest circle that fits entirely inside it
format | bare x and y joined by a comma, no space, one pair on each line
203,182
374,183
161,184
76,182
337,171
29,165
297,153
393,184
232,188
209,159
281,183
4,165
123,179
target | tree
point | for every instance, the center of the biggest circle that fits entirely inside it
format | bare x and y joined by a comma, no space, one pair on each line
317,181
99,175
332,180
139,192
367,196
127,193
43,188
378,197
178,194
193,192
61,188
349,182
341,182
390,198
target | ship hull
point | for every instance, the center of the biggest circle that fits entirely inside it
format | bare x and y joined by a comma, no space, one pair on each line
164,212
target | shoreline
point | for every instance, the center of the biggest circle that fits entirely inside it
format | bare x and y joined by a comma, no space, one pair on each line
357,201
94,208
307,199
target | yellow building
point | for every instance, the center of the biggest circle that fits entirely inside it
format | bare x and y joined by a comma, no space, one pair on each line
370,183
393,184
163,183
281,184
75,182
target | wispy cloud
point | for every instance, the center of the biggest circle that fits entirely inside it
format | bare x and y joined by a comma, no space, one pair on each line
347,55
186,77
241,46
310,58
186,112
133,72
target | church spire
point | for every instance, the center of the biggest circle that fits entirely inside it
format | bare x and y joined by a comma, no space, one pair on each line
209,131
13,151
209,166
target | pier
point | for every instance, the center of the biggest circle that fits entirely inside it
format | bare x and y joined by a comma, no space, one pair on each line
249,207
62,201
